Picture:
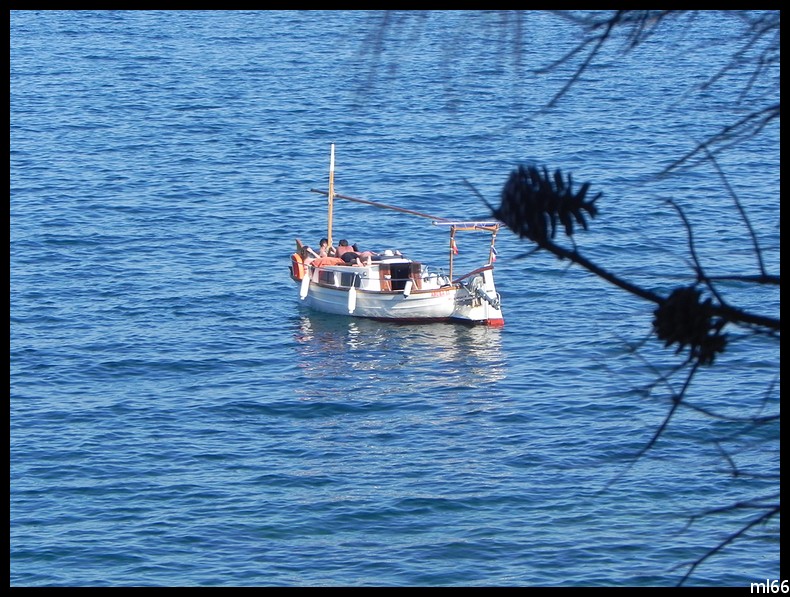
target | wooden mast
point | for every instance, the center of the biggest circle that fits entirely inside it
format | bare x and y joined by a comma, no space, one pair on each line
331,194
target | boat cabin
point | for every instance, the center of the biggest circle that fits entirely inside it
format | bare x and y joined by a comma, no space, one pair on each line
390,274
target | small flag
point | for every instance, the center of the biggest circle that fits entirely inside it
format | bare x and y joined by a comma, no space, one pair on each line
493,254
453,246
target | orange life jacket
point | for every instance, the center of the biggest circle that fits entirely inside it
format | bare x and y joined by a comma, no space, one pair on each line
297,266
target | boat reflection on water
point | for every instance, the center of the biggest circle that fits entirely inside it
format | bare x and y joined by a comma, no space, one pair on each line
371,355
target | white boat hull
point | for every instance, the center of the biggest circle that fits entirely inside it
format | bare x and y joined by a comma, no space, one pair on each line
474,301
418,305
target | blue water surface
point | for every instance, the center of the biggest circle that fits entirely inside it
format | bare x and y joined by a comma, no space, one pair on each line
177,418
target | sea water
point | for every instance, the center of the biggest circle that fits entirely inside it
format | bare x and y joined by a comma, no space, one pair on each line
177,418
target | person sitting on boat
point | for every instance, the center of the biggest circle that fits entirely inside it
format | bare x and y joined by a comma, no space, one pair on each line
308,254
310,257
324,250
342,247
366,255
353,256
345,252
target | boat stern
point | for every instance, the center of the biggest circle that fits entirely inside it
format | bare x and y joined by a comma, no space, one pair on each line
477,300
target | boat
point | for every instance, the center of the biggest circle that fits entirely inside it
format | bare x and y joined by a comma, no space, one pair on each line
389,286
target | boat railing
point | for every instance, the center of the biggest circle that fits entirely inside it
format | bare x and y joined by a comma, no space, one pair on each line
435,276
487,226
394,279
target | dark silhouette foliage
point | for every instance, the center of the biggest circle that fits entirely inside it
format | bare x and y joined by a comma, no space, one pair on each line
691,319
533,203
683,319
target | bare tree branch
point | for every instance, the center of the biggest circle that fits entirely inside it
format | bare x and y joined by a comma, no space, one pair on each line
536,206
599,42
765,517
747,127
757,251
